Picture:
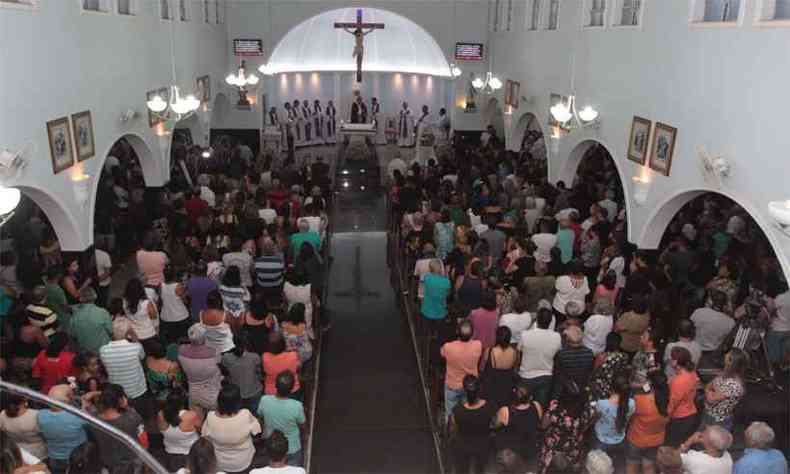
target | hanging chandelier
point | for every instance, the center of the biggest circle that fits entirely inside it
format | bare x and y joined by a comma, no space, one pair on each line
490,85
176,107
241,79
568,115
455,71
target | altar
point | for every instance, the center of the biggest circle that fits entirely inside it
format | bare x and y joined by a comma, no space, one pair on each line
356,142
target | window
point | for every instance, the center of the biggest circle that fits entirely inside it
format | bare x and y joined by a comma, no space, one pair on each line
533,14
595,11
125,7
19,4
773,11
721,10
207,11
630,12
218,5
183,10
164,9
554,15
100,6
496,16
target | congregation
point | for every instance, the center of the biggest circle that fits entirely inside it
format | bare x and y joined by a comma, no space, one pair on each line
203,355
561,345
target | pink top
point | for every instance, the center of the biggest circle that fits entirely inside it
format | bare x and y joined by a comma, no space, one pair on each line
152,266
485,324
601,292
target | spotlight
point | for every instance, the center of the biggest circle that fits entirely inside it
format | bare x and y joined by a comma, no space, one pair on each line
362,188
344,172
345,184
362,170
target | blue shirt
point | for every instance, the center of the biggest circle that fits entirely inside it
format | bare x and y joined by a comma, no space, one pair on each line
761,461
62,431
434,301
284,414
565,241
605,429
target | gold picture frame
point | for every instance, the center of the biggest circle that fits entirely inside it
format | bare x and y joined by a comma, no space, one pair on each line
639,140
61,148
84,142
663,148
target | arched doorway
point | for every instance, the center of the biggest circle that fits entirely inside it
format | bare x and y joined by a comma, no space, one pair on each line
594,177
494,116
528,139
118,207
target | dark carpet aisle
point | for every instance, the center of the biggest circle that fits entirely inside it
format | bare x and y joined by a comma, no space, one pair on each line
371,414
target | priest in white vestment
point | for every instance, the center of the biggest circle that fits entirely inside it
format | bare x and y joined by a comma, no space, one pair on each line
318,123
378,118
299,132
307,116
405,127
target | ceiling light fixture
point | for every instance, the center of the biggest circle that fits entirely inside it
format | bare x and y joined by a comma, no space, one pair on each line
243,82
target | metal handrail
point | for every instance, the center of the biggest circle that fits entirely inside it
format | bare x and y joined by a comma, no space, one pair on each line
130,442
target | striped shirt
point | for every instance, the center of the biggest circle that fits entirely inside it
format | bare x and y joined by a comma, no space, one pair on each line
122,361
269,270
43,318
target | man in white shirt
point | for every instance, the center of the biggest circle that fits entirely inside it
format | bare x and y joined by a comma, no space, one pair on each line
598,326
538,347
518,321
609,204
104,272
714,459
712,323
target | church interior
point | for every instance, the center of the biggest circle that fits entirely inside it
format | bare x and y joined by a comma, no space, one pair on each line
394,236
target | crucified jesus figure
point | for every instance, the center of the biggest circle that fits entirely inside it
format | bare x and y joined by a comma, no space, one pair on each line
359,30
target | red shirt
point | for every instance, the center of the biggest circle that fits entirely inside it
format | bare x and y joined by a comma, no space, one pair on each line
195,208
52,370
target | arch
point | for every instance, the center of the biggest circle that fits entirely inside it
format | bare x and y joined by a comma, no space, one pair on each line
527,121
403,46
71,235
659,219
152,169
568,171
494,115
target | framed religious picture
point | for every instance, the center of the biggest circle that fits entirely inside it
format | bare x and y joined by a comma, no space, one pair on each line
84,145
663,148
60,145
203,92
638,140
508,92
555,99
515,93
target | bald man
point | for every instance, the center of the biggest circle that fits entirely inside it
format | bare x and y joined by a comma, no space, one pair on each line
62,431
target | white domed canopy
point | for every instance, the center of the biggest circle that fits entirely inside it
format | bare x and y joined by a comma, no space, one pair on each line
316,45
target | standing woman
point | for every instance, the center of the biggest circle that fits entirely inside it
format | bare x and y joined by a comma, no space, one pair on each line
725,391
20,423
72,283
470,421
139,307
682,407
175,314
565,422
231,428
235,297
647,429
469,287
443,232
518,424
180,429
297,289
570,287
613,413
199,363
498,373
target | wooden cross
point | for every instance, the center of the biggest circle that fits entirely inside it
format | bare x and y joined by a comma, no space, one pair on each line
358,30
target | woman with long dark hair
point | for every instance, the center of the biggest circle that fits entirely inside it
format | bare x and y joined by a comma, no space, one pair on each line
613,361
140,307
180,429
565,422
498,376
613,415
470,421
518,423
647,429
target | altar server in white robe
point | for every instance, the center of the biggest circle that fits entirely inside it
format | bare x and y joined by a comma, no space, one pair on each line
274,122
405,127
299,132
331,123
318,123
424,125
378,118
307,116
443,127
290,126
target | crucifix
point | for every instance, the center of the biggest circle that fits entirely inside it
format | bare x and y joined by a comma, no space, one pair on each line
359,30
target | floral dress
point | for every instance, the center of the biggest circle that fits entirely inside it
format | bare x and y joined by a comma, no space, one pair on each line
443,237
601,380
721,412
565,435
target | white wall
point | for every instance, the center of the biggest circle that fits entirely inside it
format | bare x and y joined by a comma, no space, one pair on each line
58,61
250,19
723,88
